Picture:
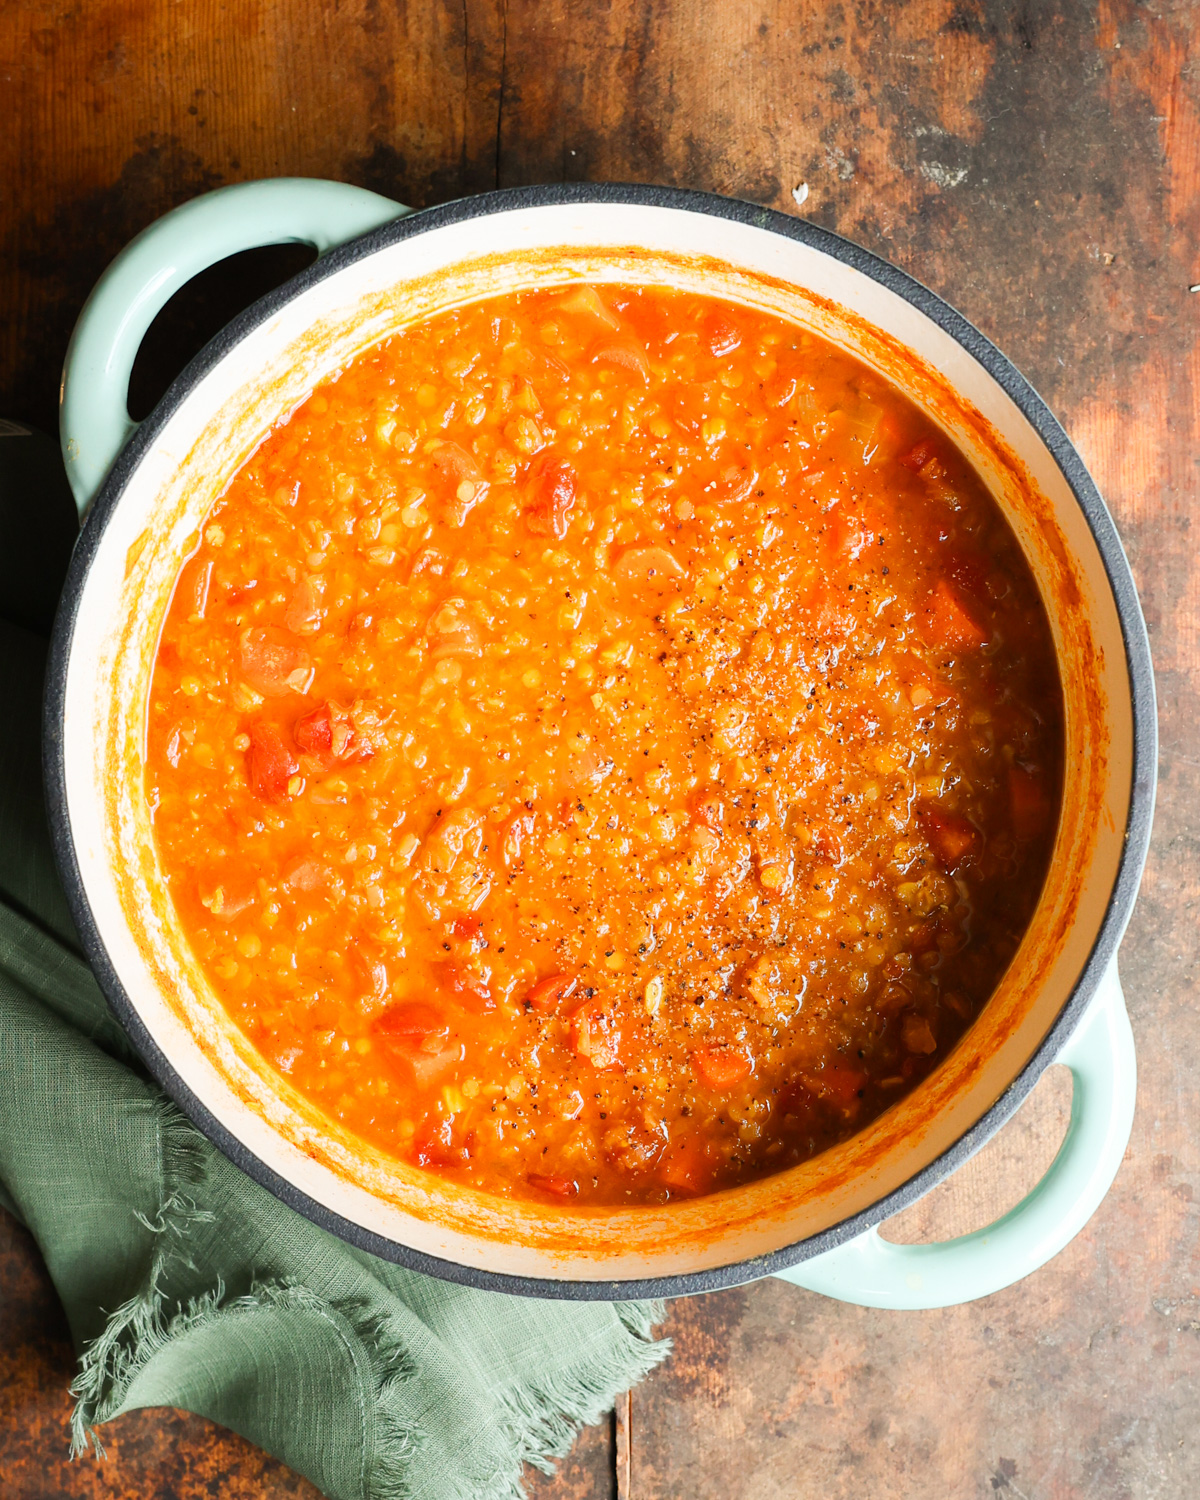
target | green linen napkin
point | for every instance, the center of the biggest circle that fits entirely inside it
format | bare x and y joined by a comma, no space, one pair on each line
186,1284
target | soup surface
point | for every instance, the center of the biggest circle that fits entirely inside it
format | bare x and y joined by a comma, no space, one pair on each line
605,745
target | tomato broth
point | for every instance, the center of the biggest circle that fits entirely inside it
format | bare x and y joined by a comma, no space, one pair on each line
605,745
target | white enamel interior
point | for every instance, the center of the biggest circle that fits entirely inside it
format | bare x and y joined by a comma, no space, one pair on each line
128,587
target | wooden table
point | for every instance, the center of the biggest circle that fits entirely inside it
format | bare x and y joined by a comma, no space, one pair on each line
1038,165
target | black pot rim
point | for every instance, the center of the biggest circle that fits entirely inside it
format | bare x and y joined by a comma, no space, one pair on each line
1137,656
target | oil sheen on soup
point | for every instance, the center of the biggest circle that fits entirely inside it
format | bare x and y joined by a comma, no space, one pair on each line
605,746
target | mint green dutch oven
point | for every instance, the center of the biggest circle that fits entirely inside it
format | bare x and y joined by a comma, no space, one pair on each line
145,488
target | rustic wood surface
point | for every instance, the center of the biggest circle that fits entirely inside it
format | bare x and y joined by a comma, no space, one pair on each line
1035,163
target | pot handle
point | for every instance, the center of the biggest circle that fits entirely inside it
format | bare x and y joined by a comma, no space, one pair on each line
94,421
873,1272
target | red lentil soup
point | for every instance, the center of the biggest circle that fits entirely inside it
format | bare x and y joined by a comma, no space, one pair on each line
605,745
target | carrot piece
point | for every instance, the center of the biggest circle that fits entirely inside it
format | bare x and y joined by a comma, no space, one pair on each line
720,1067
948,621
685,1167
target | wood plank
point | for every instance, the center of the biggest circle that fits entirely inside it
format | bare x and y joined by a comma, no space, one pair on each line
1038,166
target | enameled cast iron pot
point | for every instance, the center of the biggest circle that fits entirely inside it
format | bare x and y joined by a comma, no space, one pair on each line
146,490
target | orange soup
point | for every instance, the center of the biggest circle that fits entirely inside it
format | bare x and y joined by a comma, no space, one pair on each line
605,745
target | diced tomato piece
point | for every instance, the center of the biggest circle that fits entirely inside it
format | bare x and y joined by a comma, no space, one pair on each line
831,607
708,809
550,487
272,764
273,667
429,1068
191,592
330,734
923,938
549,993
468,988
948,622
888,434
839,1083
516,834
538,364
969,571
722,334
594,1036
452,631
720,1067
918,456
917,1035
412,1023
468,930
845,534
559,1187
652,566
417,1034
433,1145
733,486
369,962
953,837
624,352
307,874
587,300
462,477
795,1098
1029,799
314,732
304,612
779,391
453,462
924,459
685,411
685,1167
826,845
